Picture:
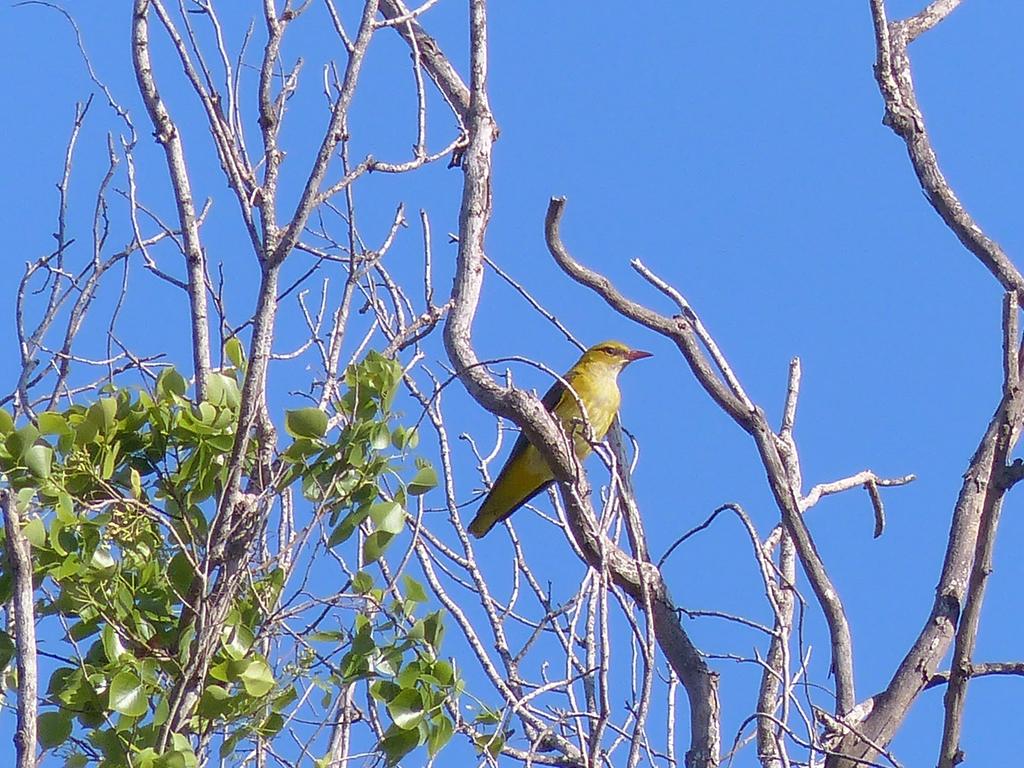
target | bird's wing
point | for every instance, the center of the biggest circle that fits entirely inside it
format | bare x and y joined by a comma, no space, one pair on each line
552,398
520,479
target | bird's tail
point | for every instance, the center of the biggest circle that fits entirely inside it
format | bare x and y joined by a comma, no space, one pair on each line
515,486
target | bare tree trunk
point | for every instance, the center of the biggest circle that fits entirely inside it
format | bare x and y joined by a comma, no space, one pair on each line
19,558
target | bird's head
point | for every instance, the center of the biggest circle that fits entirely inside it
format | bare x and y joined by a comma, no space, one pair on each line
612,354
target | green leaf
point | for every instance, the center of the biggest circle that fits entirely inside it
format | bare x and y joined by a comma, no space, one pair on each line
388,516
301,449
207,414
58,538
487,716
181,743
433,626
64,683
25,498
306,422
404,437
84,629
356,456
180,573
385,665
284,699
51,423
348,525
102,560
35,532
161,712
112,645
6,422
19,441
222,671
406,709
229,744
170,383
76,760
444,672
410,674
127,695
362,582
384,690
215,701
271,726
65,508
328,636
179,757
375,545
237,641
102,414
85,433
414,590
109,461
440,734
54,728
258,678
354,666
425,480
397,743
234,352
223,390
38,459
380,438
492,744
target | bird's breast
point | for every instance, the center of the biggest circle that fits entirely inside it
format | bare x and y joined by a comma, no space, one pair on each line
601,403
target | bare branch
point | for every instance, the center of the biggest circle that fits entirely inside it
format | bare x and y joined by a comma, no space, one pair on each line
227,139
985,669
698,328
792,396
281,244
933,14
1011,342
169,138
776,680
904,117
866,478
433,59
967,630
521,290
30,344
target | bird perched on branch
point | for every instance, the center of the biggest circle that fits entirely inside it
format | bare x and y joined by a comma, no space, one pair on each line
594,380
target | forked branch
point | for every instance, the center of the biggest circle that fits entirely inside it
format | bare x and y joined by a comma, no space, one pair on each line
715,376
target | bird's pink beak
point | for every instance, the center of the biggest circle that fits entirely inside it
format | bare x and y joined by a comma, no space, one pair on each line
637,354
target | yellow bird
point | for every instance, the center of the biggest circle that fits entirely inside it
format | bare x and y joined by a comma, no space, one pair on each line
594,379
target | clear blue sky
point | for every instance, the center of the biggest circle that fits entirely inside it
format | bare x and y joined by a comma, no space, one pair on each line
737,149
